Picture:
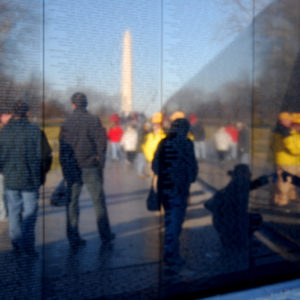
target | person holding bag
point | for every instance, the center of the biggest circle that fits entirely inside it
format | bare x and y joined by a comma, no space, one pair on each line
176,168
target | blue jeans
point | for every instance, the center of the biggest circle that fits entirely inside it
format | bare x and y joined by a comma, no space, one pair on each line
22,215
93,180
200,149
115,151
174,218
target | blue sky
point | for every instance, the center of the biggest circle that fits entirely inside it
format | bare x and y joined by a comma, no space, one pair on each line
172,40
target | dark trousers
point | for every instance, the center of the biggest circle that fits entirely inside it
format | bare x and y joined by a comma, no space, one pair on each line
93,180
174,218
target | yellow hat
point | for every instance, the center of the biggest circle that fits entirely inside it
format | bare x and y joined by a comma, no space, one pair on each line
296,118
177,115
285,116
157,117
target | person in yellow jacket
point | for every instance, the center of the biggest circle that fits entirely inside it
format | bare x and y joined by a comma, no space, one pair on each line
153,138
286,147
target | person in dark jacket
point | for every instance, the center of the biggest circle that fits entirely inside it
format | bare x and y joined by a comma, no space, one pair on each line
176,167
82,156
229,206
25,158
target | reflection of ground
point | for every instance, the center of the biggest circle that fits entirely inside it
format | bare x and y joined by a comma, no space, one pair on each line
132,265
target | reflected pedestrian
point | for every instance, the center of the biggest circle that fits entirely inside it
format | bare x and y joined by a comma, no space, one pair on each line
176,167
115,134
229,206
223,143
286,145
129,142
143,130
82,156
25,157
153,138
5,116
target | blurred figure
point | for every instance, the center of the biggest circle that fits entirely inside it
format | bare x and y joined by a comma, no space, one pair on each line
176,167
243,143
223,143
82,156
129,142
25,158
230,209
5,116
199,138
115,134
234,135
285,142
177,115
143,130
153,138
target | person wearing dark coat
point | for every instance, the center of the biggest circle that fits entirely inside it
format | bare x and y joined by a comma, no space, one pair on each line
25,158
176,167
82,156
229,206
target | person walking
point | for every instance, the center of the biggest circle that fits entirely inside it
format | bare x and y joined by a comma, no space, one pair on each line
176,166
82,150
223,143
129,142
25,158
115,134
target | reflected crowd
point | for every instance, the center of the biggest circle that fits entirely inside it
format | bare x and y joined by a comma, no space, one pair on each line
166,150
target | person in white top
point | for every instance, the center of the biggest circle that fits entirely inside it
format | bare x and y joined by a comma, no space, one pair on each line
223,142
129,142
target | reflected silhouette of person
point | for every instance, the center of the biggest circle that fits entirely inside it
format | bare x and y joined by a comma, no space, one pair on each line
25,158
176,166
82,156
229,205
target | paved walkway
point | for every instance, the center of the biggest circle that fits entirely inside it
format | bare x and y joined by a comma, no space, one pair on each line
131,268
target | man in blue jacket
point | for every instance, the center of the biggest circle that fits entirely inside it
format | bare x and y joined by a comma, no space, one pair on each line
25,158
82,156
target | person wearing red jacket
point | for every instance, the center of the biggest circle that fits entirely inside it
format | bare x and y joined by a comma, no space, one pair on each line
234,135
115,134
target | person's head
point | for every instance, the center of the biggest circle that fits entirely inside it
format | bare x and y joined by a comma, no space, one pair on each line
79,100
180,127
285,119
177,115
239,125
20,110
240,171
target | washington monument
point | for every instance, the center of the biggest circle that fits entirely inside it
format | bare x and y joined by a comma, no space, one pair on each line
127,74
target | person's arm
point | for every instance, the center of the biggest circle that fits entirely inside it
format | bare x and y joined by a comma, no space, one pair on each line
100,139
295,179
259,182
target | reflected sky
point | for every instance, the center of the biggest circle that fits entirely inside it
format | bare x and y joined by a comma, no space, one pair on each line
171,42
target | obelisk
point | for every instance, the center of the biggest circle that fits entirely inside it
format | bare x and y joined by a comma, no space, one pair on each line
127,74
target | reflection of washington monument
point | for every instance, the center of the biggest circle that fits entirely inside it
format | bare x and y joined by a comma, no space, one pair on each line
126,74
